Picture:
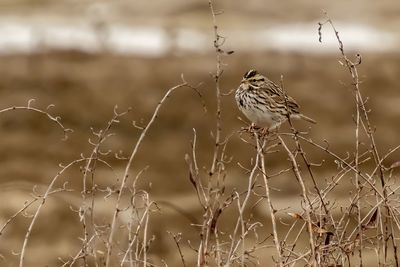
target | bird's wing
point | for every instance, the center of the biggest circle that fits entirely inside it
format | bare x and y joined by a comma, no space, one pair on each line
277,95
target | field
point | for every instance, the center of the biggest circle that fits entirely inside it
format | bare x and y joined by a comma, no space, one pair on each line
85,89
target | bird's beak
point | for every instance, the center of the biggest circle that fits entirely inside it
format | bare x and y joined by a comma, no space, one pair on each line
243,80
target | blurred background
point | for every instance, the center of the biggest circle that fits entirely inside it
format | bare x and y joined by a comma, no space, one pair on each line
86,56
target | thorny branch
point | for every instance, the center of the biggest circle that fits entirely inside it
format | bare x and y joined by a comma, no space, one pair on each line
45,112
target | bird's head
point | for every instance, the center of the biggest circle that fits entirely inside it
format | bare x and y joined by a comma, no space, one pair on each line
253,77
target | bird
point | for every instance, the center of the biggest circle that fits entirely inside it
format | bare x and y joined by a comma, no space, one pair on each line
265,103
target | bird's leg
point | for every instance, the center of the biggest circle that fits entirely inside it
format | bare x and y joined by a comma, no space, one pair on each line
251,128
264,131
269,131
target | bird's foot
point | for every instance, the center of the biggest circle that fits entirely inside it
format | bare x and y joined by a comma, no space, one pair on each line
252,128
264,132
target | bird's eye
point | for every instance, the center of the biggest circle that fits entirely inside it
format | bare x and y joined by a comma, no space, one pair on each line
256,79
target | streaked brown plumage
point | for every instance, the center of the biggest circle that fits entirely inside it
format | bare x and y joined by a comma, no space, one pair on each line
263,102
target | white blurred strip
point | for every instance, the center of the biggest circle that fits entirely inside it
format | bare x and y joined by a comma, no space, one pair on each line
305,38
137,40
18,36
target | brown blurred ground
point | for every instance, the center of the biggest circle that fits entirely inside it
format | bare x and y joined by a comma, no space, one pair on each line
86,87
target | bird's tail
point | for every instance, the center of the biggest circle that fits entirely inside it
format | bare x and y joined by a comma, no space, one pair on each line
304,117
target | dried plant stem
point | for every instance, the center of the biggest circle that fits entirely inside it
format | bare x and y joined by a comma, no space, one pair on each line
29,107
364,176
305,197
145,230
26,206
365,123
241,207
143,221
357,182
36,215
260,150
90,168
177,239
128,166
301,151
210,193
217,77
78,255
